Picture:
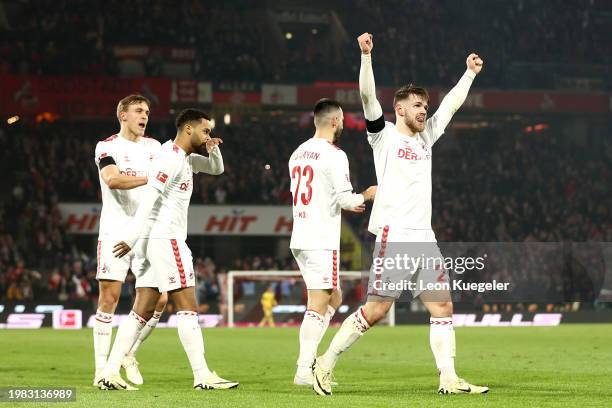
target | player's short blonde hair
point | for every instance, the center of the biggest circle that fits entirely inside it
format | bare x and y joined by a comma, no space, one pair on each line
125,103
405,91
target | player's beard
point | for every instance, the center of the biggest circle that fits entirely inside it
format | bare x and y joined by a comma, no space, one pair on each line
413,125
337,134
201,150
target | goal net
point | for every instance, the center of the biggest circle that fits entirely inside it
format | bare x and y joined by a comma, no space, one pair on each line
246,290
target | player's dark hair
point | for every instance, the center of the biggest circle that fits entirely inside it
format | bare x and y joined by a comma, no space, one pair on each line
323,107
189,115
405,91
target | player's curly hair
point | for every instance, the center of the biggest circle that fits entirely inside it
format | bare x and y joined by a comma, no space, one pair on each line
405,91
189,115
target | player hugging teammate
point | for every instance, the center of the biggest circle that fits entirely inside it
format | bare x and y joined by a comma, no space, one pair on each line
157,234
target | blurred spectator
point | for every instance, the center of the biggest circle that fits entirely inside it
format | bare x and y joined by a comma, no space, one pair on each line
416,41
495,184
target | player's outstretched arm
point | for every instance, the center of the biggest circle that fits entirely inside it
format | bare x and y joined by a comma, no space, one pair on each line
213,164
367,194
455,98
117,181
367,87
139,225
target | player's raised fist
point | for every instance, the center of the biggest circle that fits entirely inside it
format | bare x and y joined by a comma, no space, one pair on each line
365,43
474,63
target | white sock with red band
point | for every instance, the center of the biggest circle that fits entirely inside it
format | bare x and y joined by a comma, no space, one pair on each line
442,342
145,332
128,332
102,336
191,337
351,330
311,331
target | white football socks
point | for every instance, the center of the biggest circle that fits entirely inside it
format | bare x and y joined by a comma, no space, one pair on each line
191,337
442,342
311,331
145,332
328,317
128,332
351,330
102,336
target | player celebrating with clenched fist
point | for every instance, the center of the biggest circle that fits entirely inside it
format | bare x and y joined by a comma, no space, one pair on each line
401,217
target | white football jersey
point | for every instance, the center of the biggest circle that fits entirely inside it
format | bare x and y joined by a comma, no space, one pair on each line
319,170
133,159
172,174
403,172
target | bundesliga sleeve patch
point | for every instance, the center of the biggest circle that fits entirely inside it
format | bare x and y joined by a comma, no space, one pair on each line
162,177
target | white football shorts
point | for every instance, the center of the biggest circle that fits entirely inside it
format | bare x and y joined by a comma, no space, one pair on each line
116,269
319,267
168,265
405,255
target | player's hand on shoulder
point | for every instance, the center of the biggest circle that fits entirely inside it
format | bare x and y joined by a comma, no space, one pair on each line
121,249
365,43
369,193
474,63
212,142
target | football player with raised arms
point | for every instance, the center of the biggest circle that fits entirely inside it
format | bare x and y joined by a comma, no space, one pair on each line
402,214
123,161
159,230
321,188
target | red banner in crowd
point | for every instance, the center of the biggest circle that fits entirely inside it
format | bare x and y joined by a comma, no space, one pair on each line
96,97
477,100
79,96
142,52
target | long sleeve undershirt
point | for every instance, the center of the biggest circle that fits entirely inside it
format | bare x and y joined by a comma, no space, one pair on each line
367,89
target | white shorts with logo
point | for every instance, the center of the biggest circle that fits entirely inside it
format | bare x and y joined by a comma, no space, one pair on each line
319,267
418,247
116,269
168,265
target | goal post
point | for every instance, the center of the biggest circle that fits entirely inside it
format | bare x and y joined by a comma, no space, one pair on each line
244,290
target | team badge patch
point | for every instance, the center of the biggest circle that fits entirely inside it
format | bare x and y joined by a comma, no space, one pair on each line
162,177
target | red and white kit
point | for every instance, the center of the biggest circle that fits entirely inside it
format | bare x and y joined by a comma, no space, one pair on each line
403,170
321,187
119,206
168,258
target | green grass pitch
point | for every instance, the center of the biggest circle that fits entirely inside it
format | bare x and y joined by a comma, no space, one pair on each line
570,365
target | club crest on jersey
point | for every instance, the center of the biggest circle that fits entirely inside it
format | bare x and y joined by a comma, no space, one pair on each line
162,177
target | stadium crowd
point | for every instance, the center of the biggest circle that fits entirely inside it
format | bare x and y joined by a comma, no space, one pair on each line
487,188
233,44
